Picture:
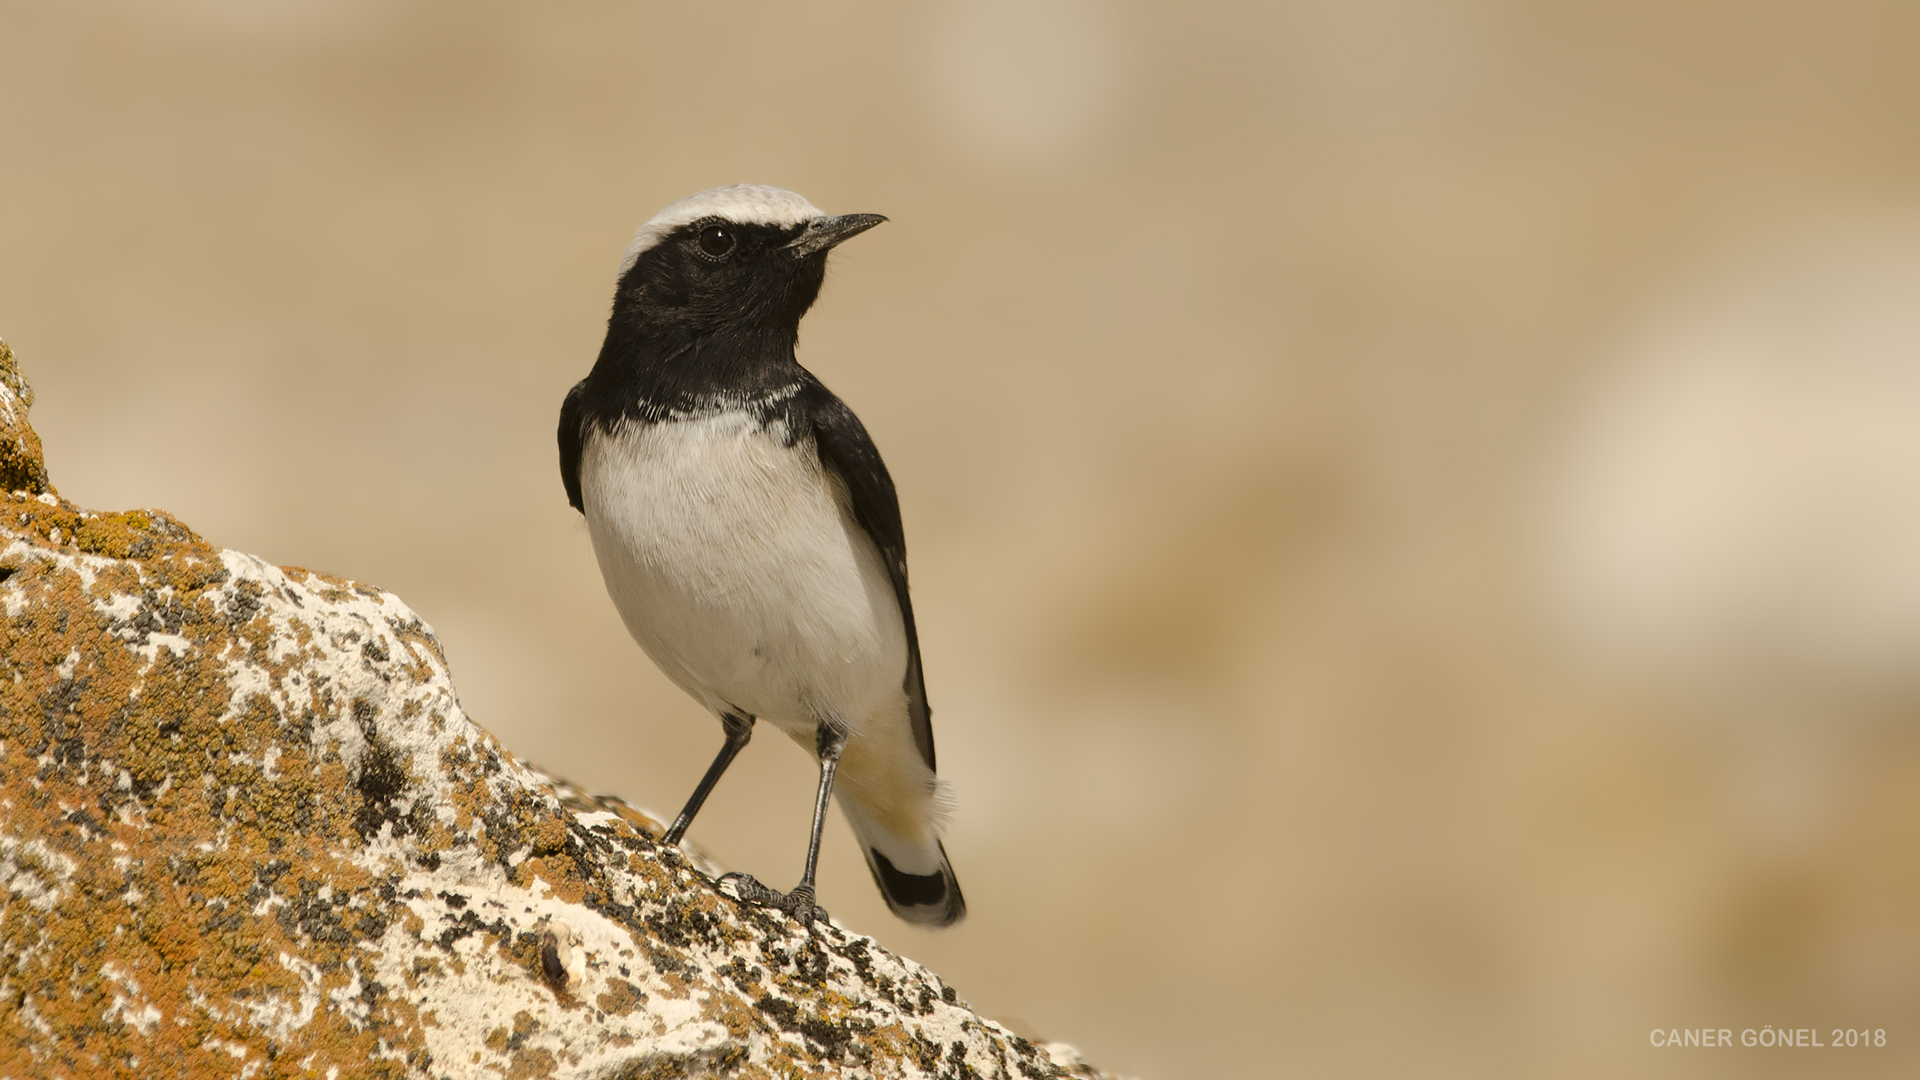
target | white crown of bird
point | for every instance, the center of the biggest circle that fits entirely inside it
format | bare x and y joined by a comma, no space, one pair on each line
742,204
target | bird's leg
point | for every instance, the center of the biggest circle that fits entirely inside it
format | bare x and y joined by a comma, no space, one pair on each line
829,740
739,729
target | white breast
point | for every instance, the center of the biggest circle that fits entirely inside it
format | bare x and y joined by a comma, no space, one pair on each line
738,568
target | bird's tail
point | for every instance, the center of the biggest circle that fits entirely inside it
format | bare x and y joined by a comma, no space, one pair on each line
915,877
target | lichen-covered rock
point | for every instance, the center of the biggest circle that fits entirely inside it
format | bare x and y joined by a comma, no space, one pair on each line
245,830
22,468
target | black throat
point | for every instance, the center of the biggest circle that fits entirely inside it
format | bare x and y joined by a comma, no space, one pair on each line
691,334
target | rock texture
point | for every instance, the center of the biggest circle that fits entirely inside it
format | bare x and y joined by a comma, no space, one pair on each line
245,830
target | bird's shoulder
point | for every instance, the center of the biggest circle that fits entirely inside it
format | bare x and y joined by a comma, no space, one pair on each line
848,451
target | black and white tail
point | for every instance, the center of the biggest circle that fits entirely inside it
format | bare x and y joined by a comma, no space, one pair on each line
912,871
931,899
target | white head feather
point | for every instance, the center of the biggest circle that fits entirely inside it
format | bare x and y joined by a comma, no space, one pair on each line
743,204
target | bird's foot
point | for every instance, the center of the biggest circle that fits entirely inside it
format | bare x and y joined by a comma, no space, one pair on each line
798,903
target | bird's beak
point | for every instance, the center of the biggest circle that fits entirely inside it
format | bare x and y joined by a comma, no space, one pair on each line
825,232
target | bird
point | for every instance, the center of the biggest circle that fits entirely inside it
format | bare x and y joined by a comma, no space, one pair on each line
749,533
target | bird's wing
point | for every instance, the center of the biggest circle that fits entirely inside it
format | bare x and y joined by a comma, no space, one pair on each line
572,435
848,453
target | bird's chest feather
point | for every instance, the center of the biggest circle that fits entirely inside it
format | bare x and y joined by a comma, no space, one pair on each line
732,557
719,493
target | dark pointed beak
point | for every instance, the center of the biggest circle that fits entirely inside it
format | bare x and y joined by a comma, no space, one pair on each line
823,233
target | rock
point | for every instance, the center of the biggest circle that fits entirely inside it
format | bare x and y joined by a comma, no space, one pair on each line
245,830
22,468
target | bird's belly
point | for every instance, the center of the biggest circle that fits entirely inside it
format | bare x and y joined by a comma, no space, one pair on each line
736,566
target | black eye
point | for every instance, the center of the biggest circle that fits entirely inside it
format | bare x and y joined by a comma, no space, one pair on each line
716,240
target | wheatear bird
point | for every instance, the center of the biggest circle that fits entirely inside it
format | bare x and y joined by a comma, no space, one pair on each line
749,533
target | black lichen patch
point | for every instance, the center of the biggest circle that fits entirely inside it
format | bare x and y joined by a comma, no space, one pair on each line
744,976
683,923
469,924
382,788
829,1040
322,914
63,725
956,1066
244,602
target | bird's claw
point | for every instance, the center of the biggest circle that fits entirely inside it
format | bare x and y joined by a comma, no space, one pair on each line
798,903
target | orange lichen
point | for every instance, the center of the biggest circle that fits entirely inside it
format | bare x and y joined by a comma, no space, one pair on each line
112,748
620,998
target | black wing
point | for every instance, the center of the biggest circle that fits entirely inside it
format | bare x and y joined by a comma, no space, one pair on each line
572,436
848,453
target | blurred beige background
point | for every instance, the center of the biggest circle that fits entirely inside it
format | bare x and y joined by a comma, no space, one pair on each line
1414,504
